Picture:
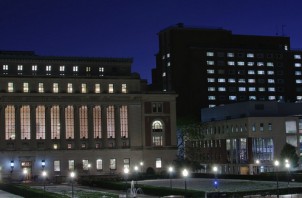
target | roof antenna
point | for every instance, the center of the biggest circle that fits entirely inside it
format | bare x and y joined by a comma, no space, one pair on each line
283,27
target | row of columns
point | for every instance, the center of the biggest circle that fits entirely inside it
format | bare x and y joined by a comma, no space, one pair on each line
90,141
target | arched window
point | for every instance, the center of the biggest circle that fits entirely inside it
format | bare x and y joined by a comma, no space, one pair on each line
157,126
157,133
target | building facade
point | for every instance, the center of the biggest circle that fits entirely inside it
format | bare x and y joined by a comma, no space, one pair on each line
89,115
247,137
208,67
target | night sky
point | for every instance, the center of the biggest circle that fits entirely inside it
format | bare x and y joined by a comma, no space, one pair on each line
128,28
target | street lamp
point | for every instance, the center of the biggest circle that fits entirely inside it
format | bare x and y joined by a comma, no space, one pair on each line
276,163
287,166
12,165
126,172
170,169
141,165
136,173
89,166
185,174
44,174
257,166
72,176
215,170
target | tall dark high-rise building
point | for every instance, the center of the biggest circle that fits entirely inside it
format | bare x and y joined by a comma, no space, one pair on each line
209,67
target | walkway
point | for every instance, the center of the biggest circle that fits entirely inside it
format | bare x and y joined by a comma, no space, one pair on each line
4,194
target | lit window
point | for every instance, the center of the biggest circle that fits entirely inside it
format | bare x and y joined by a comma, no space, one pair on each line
210,53
211,88
157,107
210,71
241,89
85,163
84,88
221,80
55,146
285,47
271,97
241,80
20,67
298,73
164,74
5,67
250,55
212,105
168,55
231,63
221,89
261,89
158,163
70,165
211,79
271,89
124,88
231,80
211,97
168,64
97,88
297,64
250,72
270,72
41,88
75,68
99,164
271,80
232,97
210,62
25,87
88,69
261,72
299,97
298,81
252,97
34,67
110,88
69,88
251,80
270,64
112,164
297,56
252,88
240,63
62,68
10,87
56,165
260,64
55,88
250,63
48,67
230,54
261,128
101,69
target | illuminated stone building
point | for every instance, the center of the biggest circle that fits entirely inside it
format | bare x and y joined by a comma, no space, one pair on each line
91,115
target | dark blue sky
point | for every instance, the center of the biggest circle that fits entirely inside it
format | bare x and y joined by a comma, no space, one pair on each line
128,28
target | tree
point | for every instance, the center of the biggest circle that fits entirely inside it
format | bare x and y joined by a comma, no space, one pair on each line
289,152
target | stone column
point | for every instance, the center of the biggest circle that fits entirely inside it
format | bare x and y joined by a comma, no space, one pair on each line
104,126
62,128
77,140
33,127
18,127
117,123
90,127
47,127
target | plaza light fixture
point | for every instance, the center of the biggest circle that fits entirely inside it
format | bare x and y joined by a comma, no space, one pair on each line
215,170
12,165
277,163
44,174
126,172
170,170
72,176
43,164
185,174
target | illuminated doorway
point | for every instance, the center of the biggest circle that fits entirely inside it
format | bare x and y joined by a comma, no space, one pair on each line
26,170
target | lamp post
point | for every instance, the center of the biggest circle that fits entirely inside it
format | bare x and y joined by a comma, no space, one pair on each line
44,174
72,176
257,166
136,173
215,170
141,165
43,164
170,169
276,163
287,166
185,174
126,172
89,166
